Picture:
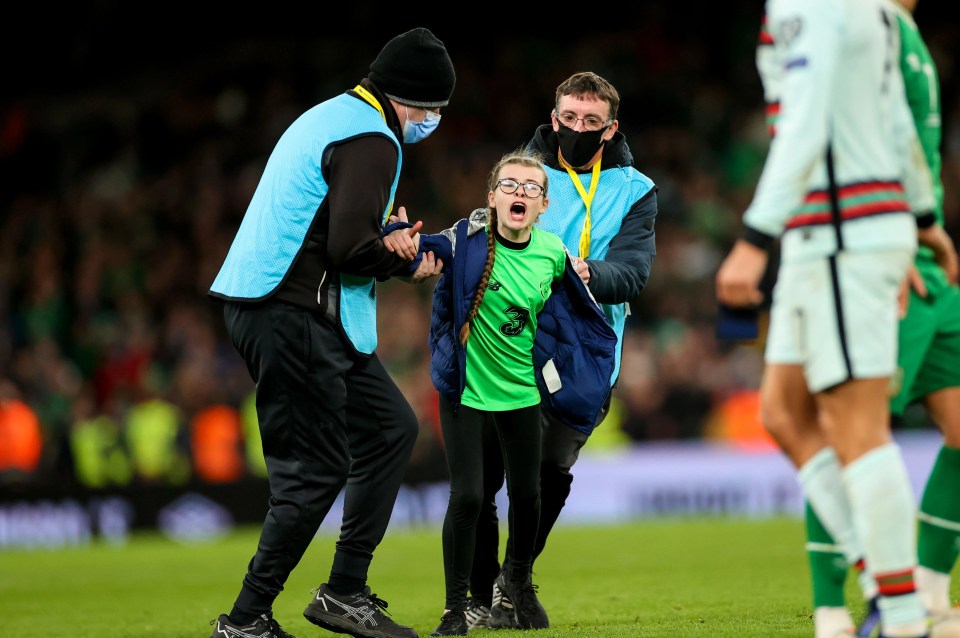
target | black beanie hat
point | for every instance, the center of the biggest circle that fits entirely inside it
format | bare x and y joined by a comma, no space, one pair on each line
415,69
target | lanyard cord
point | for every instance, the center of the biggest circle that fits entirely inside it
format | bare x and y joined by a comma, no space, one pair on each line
587,202
369,98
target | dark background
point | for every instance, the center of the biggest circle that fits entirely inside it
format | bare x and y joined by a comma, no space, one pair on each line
132,137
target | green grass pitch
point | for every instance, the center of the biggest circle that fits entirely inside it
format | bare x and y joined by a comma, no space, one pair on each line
666,578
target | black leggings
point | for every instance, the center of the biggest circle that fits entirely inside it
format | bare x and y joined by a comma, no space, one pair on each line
561,448
519,434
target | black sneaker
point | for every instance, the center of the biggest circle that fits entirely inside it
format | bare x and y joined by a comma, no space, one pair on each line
530,613
263,627
453,623
360,615
503,615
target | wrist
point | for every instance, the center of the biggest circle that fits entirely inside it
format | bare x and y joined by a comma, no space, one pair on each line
757,238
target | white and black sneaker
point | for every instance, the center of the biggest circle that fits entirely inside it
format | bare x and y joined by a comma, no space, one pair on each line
519,600
263,627
360,615
477,615
503,615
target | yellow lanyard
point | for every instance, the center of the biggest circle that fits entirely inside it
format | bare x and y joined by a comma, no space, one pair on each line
587,201
368,96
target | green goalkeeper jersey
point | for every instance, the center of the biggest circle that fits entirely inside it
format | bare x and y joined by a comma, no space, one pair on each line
923,96
500,349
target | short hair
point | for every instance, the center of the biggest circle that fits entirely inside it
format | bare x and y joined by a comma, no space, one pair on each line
589,83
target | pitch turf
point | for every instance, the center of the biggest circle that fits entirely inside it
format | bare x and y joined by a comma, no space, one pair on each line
715,577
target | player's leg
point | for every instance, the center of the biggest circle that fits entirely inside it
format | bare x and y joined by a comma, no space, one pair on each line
940,508
929,355
789,414
939,534
828,577
855,329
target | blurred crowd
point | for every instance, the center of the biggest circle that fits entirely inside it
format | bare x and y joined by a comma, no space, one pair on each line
118,201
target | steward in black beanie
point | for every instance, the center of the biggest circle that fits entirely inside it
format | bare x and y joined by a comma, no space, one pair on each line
298,289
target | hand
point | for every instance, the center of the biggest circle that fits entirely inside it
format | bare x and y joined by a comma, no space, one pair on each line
936,239
914,281
582,269
738,279
405,242
429,267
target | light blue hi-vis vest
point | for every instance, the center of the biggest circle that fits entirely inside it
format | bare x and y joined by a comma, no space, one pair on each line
283,208
619,188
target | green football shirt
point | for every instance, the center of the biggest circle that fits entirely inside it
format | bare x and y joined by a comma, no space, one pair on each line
500,349
923,95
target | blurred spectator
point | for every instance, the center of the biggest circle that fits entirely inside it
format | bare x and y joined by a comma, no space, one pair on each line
215,439
20,440
155,439
96,441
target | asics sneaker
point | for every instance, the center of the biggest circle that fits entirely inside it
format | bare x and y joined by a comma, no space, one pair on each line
360,614
263,627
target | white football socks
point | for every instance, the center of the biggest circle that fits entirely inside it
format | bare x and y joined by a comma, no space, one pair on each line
884,513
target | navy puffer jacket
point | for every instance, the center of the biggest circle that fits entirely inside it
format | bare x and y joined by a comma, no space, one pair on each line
574,348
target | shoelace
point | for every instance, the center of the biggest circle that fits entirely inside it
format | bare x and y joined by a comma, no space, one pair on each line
528,597
379,602
274,626
452,619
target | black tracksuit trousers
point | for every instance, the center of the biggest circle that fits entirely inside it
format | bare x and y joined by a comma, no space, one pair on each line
328,419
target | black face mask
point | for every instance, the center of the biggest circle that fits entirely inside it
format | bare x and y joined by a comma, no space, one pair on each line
579,148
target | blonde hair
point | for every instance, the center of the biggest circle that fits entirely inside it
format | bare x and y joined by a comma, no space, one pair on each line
520,157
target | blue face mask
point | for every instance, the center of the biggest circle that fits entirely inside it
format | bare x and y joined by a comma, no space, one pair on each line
413,132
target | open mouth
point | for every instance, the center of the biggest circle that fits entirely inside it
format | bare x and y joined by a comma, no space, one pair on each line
518,210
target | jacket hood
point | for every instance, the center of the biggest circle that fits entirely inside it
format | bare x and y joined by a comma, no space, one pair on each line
478,220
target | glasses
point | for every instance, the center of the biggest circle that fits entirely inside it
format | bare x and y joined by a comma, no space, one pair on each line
590,122
510,186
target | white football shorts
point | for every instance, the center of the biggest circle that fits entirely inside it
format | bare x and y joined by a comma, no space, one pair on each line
837,316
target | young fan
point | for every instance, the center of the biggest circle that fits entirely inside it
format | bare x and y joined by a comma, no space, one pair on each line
514,331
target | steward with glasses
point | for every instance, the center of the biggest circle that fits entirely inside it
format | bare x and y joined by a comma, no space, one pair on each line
603,209
514,333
